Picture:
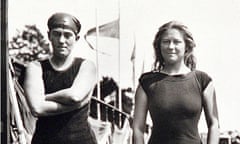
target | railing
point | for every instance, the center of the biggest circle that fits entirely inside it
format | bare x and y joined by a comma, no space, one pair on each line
109,113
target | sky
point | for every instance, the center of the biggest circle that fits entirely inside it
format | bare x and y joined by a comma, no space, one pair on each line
213,23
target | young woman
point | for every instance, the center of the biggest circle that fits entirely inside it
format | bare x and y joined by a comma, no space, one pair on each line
58,90
174,92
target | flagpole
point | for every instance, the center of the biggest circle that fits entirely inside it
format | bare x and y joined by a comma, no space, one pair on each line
119,66
133,57
97,64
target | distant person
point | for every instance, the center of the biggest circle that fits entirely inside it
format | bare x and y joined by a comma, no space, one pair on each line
59,89
175,93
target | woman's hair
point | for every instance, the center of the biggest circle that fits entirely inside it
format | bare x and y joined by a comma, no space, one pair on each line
189,58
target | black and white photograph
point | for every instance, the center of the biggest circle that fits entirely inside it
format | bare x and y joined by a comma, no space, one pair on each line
120,72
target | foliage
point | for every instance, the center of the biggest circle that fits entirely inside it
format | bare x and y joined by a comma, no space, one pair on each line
28,45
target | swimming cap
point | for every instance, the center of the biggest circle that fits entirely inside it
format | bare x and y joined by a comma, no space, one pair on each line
64,20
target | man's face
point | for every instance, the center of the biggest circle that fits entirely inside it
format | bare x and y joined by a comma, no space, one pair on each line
62,41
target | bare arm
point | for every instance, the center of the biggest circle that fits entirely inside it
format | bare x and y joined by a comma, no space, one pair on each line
140,113
211,114
80,91
34,90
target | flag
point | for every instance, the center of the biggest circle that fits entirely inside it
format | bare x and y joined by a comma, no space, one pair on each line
104,39
106,45
110,30
133,56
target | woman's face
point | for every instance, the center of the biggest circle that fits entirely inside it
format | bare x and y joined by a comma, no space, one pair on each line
62,41
173,46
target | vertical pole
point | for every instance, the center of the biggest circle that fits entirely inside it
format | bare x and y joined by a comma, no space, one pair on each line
134,54
5,126
97,64
119,66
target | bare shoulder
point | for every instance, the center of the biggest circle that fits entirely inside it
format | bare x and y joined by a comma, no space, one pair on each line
34,68
209,90
33,75
34,64
88,65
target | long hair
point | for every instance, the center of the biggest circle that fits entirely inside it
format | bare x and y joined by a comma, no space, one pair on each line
189,58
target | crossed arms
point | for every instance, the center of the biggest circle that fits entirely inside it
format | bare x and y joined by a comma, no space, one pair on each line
60,101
